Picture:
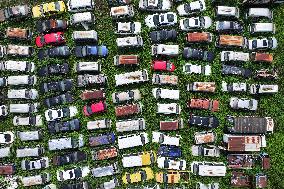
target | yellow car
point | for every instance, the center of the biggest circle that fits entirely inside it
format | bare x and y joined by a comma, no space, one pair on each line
143,175
48,8
173,177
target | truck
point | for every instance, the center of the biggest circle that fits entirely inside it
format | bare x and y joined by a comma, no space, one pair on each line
212,169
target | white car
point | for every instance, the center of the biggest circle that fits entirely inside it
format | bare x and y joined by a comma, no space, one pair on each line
255,13
263,89
126,28
225,11
164,139
35,164
83,18
171,164
99,124
197,69
14,66
24,108
242,103
131,77
3,111
262,44
40,179
161,20
155,5
80,5
54,114
130,125
127,42
234,56
214,185
124,96
160,93
234,87
6,137
165,50
29,135
208,151
171,108
213,169
195,23
66,143
22,94
71,174
21,80
88,67
132,140
262,28
191,8
138,159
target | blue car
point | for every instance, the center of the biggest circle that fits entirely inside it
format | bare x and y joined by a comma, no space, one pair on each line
169,151
65,126
99,140
83,51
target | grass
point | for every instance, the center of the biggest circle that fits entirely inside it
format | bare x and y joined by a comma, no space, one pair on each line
270,105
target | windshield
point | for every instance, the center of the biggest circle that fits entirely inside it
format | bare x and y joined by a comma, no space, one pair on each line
202,21
226,56
270,43
156,19
254,43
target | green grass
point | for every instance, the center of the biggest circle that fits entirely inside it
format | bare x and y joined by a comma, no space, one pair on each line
270,105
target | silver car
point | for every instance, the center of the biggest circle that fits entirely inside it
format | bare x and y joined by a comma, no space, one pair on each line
24,108
22,94
242,103
105,171
21,80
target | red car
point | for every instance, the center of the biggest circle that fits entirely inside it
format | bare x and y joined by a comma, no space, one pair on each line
94,108
160,65
50,39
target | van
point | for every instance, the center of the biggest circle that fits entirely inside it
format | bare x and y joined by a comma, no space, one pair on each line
126,11
99,124
168,108
24,108
88,67
22,80
30,135
5,152
132,140
262,28
208,168
85,36
126,60
127,110
139,159
84,18
19,33
7,169
229,41
65,143
227,12
15,66
165,50
129,42
80,5
161,138
257,13
29,152
36,179
130,125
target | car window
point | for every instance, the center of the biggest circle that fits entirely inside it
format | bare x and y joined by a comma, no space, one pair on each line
170,17
162,18
264,43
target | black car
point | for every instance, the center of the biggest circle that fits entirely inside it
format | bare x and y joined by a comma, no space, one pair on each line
78,185
62,51
198,54
234,70
229,27
207,122
163,35
64,85
69,158
52,25
63,126
57,100
54,69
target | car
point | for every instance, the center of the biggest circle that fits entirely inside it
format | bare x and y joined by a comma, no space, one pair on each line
55,114
243,103
69,158
124,60
82,18
231,41
30,152
229,27
108,170
107,153
24,108
84,51
171,125
89,80
19,50
234,87
160,65
161,79
17,12
235,70
169,151
172,177
165,50
3,51
198,54
195,23
160,93
78,184
17,66
155,6
54,69
191,8
35,164
92,94
262,43
126,96
206,104
207,151
197,69
211,169
65,126
113,182
40,179
163,35
139,159
235,56
240,179
25,121
90,36
263,89
55,86
22,94
7,137
4,111
130,125
102,139
170,108
172,164
62,51
161,20
261,57
161,138
128,28
65,143
129,42
131,77
259,13
199,37
210,122
95,108
29,135
270,74
51,25
227,12
58,100
7,169
132,140
206,87
118,2
205,137
71,174
128,109
19,33
261,27
145,174
21,80
80,5
122,12
50,39
46,9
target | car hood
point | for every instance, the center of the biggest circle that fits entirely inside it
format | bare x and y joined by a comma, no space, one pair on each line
149,21
208,22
